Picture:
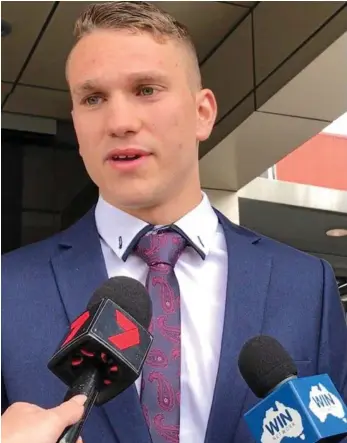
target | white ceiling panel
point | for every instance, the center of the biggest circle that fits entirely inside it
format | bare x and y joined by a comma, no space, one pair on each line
281,27
5,89
219,167
47,65
301,58
241,4
228,124
208,22
290,201
39,102
264,139
331,101
229,72
258,143
27,19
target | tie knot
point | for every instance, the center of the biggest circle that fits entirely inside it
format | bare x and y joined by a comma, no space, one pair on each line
161,247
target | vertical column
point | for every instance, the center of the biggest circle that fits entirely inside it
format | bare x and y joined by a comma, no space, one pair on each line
226,202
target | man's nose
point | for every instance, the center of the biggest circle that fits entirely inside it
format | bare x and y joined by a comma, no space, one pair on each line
122,117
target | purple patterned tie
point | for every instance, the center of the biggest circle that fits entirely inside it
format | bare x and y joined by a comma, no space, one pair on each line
160,390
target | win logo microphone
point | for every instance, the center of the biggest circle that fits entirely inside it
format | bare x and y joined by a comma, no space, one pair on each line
305,409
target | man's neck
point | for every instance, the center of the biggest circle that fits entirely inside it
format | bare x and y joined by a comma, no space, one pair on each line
166,213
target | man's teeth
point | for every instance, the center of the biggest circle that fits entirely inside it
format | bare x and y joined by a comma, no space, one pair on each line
124,157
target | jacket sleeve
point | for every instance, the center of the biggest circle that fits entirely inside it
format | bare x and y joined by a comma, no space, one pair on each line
332,356
4,399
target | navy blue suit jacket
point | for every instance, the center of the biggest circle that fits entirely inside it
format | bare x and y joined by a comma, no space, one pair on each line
272,289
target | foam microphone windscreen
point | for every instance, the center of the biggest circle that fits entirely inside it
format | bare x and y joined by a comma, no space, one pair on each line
128,294
264,363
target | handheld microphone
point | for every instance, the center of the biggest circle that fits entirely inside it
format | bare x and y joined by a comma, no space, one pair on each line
104,351
305,409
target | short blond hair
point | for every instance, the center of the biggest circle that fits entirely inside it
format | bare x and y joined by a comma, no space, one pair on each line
136,16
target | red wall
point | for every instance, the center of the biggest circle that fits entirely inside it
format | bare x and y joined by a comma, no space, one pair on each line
321,161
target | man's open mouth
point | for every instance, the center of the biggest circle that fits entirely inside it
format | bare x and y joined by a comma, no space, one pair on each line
125,158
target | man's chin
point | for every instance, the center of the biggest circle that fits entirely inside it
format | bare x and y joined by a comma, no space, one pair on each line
131,202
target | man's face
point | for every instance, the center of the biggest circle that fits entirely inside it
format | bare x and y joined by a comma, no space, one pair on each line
133,96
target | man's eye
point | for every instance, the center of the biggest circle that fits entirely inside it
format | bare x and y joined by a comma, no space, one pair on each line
93,100
146,90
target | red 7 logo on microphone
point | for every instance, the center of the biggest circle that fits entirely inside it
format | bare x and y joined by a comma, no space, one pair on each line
130,337
76,325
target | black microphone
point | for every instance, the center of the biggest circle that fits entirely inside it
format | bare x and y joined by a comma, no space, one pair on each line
307,409
104,351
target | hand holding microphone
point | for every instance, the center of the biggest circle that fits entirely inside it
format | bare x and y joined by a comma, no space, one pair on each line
306,410
24,422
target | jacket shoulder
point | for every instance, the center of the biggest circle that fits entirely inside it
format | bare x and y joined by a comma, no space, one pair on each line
29,255
42,250
281,252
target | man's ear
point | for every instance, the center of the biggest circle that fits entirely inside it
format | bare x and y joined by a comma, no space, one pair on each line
206,113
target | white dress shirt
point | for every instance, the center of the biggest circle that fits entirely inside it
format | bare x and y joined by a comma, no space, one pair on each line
202,292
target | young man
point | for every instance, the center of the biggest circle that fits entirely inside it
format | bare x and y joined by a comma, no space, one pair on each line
139,112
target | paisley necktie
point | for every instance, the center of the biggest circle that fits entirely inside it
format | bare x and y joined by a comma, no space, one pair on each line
160,390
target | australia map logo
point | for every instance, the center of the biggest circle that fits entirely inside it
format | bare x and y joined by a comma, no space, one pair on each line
323,403
280,422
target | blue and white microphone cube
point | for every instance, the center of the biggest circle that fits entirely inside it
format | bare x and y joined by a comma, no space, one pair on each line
302,410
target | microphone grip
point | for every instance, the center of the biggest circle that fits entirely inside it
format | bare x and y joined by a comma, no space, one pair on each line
87,384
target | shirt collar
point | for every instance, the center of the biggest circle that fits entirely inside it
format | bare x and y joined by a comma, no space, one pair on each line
118,229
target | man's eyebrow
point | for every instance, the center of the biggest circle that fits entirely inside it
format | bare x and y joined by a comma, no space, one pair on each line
148,76
136,77
82,88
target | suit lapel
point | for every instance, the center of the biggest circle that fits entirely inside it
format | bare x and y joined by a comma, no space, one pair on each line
79,269
249,271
